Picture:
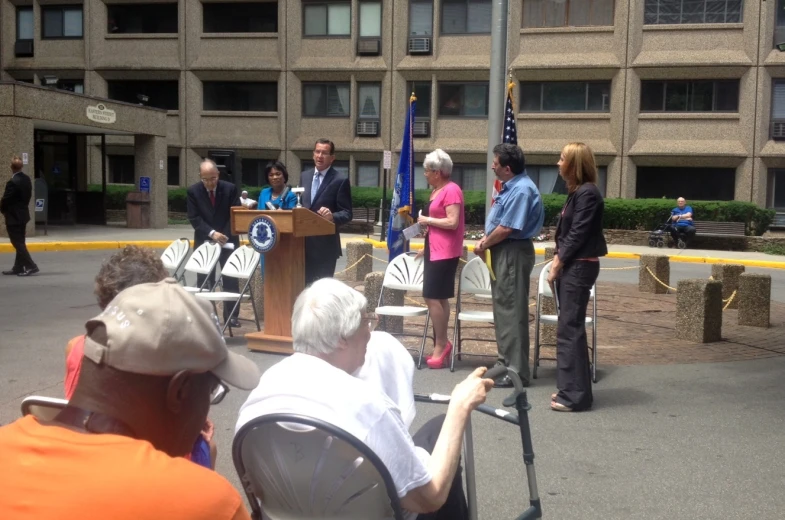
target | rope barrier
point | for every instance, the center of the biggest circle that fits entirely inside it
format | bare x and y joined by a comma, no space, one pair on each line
729,300
619,268
660,281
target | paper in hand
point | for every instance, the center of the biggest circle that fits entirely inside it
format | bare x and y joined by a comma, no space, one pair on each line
412,231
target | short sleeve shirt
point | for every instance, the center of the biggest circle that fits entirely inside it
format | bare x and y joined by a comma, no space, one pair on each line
519,207
679,211
446,243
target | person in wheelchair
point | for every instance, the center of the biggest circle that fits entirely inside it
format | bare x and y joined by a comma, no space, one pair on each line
330,333
681,220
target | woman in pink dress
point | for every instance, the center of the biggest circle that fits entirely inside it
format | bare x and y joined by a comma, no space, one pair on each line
444,223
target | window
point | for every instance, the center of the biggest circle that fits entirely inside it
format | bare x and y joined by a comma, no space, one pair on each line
340,166
548,180
690,96
367,174
160,94
779,27
121,169
24,23
61,22
421,18
466,16
470,177
566,96
325,99
692,11
370,20
241,96
776,192
369,100
173,170
560,13
71,85
327,19
141,18
240,17
778,110
690,183
422,91
463,100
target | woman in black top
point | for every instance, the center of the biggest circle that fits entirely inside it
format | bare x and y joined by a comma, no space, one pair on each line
576,265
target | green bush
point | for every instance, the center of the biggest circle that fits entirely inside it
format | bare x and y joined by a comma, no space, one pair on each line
636,214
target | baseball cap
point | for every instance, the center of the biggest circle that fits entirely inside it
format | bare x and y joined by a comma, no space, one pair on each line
159,329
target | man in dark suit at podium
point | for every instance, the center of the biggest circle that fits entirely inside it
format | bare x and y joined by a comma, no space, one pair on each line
209,202
14,207
327,193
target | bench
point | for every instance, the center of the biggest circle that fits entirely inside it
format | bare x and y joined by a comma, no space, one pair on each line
720,229
364,215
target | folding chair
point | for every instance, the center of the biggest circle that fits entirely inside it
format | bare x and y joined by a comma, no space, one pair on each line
174,257
43,408
476,280
544,290
240,265
405,273
202,261
293,467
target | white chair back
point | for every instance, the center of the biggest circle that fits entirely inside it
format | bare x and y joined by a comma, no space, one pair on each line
404,273
543,288
242,263
204,258
174,255
475,277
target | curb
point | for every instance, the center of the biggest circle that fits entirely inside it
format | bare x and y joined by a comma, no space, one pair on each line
635,256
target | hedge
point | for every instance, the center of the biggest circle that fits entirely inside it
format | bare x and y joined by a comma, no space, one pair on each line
636,214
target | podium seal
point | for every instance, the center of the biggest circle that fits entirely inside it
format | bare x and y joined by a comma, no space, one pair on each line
263,234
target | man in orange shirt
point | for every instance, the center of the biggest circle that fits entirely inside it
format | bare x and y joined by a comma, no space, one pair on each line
154,360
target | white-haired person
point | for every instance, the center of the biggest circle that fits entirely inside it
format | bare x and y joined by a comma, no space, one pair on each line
330,333
444,220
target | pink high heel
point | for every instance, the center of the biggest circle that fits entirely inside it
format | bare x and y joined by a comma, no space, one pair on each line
441,361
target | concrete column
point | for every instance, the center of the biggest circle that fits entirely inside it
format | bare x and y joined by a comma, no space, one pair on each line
150,161
548,306
361,252
16,138
661,267
699,310
728,274
257,285
754,298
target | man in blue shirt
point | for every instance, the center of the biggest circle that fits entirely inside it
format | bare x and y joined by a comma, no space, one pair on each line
681,221
516,216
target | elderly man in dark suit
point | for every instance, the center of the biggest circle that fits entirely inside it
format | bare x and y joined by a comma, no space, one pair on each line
15,208
327,193
209,202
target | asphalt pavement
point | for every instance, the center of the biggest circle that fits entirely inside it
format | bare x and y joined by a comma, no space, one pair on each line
698,441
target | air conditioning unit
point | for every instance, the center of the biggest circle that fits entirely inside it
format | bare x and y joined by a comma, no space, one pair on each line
778,129
369,47
421,128
23,49
368,128
420,45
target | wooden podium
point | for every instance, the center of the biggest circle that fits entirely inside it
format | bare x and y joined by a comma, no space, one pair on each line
284,271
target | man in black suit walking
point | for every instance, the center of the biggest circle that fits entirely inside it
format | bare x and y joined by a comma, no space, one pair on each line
327,193
209,202
14,207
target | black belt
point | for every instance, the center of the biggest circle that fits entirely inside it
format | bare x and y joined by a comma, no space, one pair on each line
511,240
93,422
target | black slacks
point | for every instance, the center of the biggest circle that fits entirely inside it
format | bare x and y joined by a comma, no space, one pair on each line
23,260
573,372
455,508
229,284
317,268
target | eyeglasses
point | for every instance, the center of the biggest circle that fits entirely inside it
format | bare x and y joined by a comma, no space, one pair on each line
218,393
208,179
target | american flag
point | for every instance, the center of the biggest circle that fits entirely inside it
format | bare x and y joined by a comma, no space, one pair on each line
509,132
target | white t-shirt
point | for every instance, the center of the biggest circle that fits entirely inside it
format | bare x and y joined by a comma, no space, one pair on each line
307,385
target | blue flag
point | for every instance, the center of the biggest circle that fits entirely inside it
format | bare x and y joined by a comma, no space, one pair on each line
402,207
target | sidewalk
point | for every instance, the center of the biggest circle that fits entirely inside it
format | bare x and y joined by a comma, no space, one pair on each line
82,238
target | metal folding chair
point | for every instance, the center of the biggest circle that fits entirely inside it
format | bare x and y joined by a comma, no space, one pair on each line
174,257
43,408
475,280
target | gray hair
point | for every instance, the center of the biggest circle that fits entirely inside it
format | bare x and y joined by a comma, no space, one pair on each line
325,313
438,160
212,164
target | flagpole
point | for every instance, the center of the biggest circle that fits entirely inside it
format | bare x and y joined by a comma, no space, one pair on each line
497,89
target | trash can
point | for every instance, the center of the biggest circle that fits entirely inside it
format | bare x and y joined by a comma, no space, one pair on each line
137,210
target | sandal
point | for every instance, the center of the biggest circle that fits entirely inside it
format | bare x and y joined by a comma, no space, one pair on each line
553,397
558,407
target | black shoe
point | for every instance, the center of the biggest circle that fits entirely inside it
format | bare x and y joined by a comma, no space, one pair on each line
12,272
234,323
28,272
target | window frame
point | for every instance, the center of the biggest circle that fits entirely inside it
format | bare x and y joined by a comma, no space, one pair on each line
409,24
690,90
327,3
586,85
110,158
465,32
325,84
359,19
379,168
26,8
277,18
62,8
410,88
277,108
566,16
169,170
681,15
110,83
377,117
151,6
463,97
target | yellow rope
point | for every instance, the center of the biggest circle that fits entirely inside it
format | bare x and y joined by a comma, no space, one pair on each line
619,268
729,300
356,263
660,281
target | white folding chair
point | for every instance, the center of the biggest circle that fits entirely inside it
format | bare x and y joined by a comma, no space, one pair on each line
405,273
202,261
174,257
475,280
544,290
240,265
43,408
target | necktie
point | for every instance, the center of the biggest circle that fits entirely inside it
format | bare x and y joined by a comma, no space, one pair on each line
317,181
212,197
